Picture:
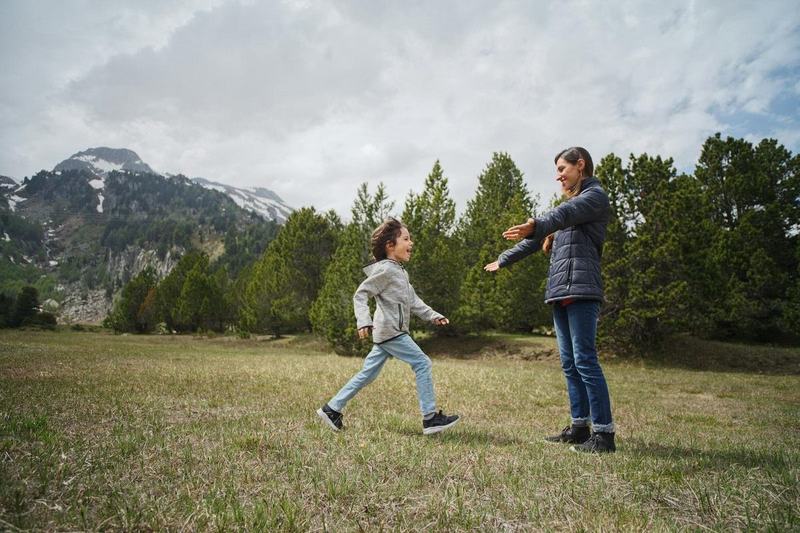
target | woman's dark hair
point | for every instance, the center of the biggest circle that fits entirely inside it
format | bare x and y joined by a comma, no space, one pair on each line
387,232
571,155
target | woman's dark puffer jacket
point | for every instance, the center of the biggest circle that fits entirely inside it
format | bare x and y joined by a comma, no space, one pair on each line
578,246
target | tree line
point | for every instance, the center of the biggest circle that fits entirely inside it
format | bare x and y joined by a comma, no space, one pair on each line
715,254
24,310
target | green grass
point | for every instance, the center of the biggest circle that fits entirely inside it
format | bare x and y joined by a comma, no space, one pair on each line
125,432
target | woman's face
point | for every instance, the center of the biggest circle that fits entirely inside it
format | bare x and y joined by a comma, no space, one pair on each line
569,175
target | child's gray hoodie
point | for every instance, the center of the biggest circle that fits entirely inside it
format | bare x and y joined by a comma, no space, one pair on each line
387,281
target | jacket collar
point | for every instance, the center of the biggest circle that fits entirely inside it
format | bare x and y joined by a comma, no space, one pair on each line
591,181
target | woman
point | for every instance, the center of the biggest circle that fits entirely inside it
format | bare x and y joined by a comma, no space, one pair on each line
575,291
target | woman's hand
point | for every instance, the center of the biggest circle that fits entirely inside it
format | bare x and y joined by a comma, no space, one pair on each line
547,245
492,267
441,321
365,332
515,233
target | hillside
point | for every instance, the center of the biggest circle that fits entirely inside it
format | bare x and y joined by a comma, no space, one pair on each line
81,231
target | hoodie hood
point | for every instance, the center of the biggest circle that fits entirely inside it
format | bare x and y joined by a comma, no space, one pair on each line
375,266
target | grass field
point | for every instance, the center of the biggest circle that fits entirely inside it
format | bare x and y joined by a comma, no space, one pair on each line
125,432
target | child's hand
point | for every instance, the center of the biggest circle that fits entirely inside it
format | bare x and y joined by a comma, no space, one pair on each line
492,267
441,321
547,245
363,333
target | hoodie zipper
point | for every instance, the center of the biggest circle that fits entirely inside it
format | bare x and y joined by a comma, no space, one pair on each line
400,310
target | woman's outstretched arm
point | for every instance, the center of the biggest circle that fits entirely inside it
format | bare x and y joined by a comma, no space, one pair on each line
521,250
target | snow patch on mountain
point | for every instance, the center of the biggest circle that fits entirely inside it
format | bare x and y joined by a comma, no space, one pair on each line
7,183
99,185
13,200
102,160
256,199
100,164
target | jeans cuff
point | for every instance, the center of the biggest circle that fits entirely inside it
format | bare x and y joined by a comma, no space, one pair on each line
580,422
604,428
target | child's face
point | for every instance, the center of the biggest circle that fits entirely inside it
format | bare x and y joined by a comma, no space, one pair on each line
401,249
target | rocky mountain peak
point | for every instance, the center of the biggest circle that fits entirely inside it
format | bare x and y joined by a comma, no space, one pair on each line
102,160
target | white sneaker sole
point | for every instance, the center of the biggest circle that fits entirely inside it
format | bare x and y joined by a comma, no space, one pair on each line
327,420
439,429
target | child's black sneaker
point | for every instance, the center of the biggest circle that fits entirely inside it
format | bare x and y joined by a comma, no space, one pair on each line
571,435
331,417
438,422
597,443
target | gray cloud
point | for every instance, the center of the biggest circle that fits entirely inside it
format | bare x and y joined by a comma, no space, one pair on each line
310,99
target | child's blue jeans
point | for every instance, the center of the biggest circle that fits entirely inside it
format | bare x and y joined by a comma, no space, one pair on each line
576,329
403,348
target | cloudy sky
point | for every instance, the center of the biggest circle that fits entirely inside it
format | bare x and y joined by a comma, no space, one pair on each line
310,99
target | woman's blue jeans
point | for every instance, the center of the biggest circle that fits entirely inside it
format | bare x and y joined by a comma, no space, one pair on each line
576,330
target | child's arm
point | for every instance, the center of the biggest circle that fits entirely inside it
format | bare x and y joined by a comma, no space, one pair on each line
423,310
371,286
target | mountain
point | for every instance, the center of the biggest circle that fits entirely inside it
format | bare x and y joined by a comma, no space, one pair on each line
100,161
8,196
81,231
256,199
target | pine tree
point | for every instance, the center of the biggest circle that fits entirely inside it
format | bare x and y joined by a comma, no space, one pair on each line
128,314
170,288
26,307
6,310
286,280
195,307
332,315
753,194
225,314
656,255
147,315
511,298
435,269
616,264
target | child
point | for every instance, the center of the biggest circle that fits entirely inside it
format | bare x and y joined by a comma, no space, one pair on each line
387,281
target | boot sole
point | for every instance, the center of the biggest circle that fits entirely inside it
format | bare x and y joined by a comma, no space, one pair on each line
563,442
439,429
574,449
327,420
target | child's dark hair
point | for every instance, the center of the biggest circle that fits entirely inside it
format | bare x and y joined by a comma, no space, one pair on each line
387,232
571,155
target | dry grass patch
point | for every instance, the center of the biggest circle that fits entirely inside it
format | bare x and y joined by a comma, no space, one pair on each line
110,432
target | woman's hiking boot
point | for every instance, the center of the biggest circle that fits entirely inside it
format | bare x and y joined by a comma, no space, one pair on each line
571,435
598,443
